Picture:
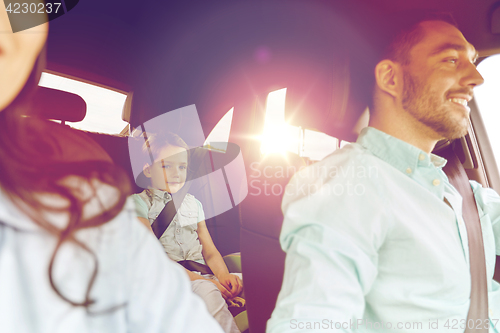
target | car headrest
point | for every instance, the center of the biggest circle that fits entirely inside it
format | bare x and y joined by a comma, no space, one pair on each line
55,104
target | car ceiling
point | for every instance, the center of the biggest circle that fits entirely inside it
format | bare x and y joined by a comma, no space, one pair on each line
216,53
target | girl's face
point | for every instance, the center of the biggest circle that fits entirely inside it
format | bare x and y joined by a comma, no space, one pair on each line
169,171
18,53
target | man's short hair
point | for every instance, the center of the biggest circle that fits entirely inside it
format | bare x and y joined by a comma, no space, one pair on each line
408,32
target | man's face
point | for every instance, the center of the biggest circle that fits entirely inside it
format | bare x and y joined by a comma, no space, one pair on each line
169,171
438,81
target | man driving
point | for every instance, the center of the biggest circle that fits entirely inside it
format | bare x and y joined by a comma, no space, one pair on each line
392,254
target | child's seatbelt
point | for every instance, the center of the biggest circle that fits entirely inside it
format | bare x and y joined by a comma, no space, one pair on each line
164,219
168,212
478,310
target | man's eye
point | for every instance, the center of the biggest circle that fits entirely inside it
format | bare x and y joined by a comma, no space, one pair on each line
166,167
182,167
452,60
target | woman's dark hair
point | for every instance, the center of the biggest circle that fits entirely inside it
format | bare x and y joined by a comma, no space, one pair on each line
35,164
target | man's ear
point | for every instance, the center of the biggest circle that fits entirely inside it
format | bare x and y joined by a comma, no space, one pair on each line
388,78
146,170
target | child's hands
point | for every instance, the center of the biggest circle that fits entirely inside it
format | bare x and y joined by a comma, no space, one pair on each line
225,293
232,283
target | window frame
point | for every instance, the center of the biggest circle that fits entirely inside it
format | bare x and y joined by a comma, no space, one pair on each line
484,149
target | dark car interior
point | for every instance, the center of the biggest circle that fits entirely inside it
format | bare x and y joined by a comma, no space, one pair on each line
220,55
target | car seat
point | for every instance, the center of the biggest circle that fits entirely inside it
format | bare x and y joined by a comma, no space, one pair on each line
261,219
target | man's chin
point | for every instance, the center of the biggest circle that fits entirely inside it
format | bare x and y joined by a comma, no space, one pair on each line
456,132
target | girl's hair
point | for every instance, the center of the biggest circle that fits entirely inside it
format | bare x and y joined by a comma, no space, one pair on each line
34,165
154,143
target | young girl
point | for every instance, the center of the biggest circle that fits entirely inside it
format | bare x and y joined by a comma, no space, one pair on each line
187,236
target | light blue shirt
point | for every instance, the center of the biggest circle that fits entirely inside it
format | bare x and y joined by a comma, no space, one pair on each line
373,247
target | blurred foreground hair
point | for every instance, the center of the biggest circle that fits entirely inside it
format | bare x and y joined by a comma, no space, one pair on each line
34,167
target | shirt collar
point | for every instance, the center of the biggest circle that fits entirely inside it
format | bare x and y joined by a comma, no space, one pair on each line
159,194
396,152
410,160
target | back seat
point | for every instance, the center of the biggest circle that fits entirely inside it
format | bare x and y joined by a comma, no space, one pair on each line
59,105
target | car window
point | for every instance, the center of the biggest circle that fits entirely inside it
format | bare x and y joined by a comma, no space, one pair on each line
486,100
104,106
219,136
279,136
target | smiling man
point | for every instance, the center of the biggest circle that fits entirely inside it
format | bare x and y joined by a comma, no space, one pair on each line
421,96
393,256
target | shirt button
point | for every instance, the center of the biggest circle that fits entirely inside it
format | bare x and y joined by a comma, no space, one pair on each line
421,157
408,171
436,182
491,312
178,230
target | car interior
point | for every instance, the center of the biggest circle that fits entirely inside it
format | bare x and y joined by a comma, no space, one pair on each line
304,67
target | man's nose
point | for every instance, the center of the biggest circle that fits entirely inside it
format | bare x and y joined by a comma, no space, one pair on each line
471,76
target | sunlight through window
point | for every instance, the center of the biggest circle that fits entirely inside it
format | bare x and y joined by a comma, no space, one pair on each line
486,99
219,136
280,137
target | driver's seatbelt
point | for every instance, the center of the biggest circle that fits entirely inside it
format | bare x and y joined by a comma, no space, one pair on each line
478,310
